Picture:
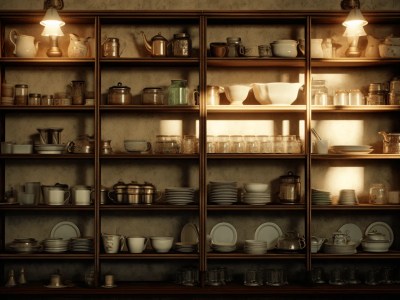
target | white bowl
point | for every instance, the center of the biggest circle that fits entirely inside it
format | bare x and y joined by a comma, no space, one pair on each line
387,51
375,246
162,244
255,187
284,49
276,93
22,148
237,93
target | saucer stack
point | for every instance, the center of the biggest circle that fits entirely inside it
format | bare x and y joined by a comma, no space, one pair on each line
55,245
257,198
223,247
255,247
185,247
49,148
81,244
222,193
179,195
347,197
349,248
319,197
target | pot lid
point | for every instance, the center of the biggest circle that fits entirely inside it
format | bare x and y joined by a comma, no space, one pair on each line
119,86
133,185
181,35
119,185
290,177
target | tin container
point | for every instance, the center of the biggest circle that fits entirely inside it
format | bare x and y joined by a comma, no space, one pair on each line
181,45
111,48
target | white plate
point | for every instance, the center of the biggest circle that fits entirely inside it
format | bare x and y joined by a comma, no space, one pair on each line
65,230
223,233
353,231
351,147
190,234
49,151
49,147
383,228
268,232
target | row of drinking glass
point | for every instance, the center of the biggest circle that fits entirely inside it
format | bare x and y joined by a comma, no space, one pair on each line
342,276
254,144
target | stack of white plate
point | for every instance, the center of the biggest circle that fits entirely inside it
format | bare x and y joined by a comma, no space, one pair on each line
255,247
257,198
349,248
49,148
189,239
55,245
81,244
352,149
222,192
319,197
347,197
223,237
185,247
268,232
179,195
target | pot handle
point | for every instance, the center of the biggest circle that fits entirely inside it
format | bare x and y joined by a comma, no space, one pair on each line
302,243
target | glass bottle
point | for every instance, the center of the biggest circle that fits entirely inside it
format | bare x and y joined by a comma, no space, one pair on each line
21,94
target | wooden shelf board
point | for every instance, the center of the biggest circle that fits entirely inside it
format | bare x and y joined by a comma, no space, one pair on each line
360,207
35,208
152,108
246,207
353,156
151,256
142,207
127,155
257,62
352,62
245,256
354,108
47,256
244,109
41,108
47,156
254,156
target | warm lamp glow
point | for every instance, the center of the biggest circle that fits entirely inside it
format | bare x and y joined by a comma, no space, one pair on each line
355,19
354,31
52,30
52,18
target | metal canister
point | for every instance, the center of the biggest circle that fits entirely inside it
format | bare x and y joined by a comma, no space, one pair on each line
181,45
289,188
134,192
111,47
149,193
34,99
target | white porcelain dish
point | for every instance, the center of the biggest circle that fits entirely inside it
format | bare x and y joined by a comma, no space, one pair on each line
65,230
353,231
223,233
237,93
276,93
162,244
383,228
255,187
190,234
268,232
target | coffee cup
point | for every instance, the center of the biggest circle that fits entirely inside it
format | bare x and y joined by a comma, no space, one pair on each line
82,196
58,197
109,280
322,146
33,188
137,244
113,243
218,49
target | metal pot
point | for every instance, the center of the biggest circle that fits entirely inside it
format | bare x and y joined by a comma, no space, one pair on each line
391,142
119,95
291,241
289,189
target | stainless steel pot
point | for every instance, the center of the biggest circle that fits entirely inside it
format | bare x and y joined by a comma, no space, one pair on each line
291,241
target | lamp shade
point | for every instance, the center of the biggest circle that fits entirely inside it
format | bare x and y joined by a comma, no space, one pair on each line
355,19
52,31
52,18
355,31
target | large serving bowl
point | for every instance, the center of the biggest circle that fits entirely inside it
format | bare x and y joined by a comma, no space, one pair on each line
276,93
375,246
237,93
284,48
389,51
162,244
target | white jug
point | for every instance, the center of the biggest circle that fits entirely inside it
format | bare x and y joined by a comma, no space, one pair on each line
316,48
24,45
78,47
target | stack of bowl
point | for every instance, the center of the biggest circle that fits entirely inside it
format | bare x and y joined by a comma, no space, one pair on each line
25,245
256,193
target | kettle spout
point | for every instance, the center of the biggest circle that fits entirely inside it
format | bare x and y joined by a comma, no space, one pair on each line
146,43
385,136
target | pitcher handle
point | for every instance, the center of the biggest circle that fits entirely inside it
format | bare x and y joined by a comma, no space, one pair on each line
13,40
66,200
122,242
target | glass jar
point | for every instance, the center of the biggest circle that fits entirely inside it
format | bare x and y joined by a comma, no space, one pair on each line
47,100
377,194
289,188
235,47
377,94
356,97
178,92
111,47
319,92
181,45
21,94
119,95
341,98
34,99
153,96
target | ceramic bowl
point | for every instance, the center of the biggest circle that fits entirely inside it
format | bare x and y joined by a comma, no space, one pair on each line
284,48
388,51
375,246
162,244
255,187
22,149
276,93
237,93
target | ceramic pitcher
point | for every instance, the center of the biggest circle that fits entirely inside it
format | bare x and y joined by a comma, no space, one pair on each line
372,49
78,47
24,45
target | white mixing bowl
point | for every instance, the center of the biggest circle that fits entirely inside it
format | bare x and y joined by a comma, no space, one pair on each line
276,93
237,93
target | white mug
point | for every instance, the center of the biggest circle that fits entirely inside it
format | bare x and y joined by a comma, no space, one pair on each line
137,244
58,197
82,196
113,242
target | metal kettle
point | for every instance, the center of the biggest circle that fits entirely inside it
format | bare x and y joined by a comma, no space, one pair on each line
157,46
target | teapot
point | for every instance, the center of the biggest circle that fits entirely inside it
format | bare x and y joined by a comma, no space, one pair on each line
372,48
291,241
391,142
24,45
157,46
83,144
78,47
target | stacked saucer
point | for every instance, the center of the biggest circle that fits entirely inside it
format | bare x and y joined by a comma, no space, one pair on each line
185,247
349,248
223,247
222,193
49,148
319,197
179,195
352,149
81,244
348,197
55,245
255,247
